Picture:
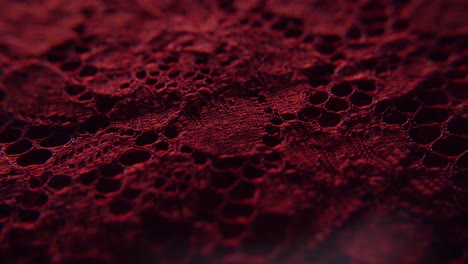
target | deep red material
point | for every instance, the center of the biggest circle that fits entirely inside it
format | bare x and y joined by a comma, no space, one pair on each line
233,131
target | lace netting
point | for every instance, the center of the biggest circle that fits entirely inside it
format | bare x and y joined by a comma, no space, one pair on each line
233,131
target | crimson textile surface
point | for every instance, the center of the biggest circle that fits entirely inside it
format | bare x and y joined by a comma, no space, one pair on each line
249,131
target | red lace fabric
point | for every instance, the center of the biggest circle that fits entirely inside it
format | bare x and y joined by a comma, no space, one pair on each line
233,131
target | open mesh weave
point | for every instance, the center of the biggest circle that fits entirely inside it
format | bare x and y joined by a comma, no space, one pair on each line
233,131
